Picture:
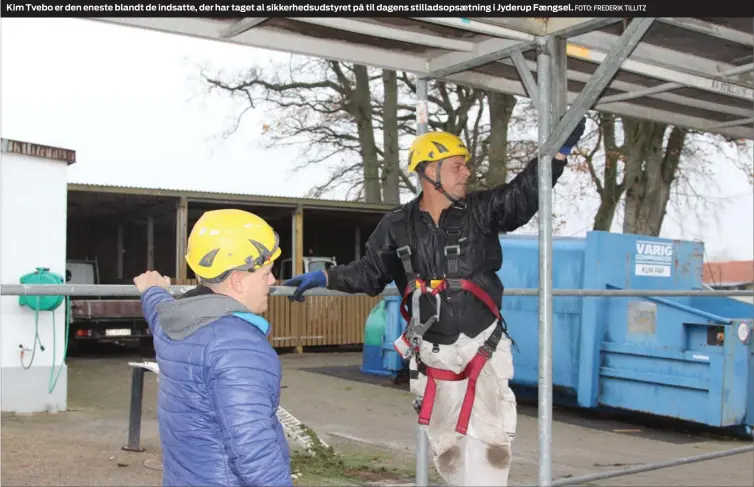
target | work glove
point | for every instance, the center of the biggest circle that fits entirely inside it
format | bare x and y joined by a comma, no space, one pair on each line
574,138
304,282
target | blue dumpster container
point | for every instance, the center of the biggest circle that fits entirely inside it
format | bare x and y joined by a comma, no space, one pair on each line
681,357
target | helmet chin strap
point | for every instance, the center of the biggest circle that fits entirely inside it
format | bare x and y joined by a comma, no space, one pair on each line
437,184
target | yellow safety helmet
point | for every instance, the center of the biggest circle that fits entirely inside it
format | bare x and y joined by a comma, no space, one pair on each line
225,240
435,146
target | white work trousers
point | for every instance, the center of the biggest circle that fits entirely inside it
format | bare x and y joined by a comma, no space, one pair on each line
482,457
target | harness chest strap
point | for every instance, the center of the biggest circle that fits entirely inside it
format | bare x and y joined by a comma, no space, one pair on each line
454,284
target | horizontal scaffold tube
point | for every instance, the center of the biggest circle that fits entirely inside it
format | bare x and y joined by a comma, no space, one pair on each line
128,290
593,477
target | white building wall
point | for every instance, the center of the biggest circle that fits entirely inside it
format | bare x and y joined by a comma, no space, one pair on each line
33,212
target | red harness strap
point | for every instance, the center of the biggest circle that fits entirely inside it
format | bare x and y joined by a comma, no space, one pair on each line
471,372
472,369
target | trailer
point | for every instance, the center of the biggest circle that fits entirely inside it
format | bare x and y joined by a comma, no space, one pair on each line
97,320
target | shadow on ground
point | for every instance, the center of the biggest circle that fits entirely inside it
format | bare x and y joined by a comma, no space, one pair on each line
636,424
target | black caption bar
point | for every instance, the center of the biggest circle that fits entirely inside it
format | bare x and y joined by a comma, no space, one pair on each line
335,8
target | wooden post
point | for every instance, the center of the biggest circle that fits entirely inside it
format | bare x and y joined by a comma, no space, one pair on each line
357,243
119,254
298,268
150,242
299,244
181,239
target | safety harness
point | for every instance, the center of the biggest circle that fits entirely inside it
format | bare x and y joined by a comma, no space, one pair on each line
412,337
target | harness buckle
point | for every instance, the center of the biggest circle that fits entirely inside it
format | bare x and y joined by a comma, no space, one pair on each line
494,339
416,329
453,283
485,351
452,249
404,251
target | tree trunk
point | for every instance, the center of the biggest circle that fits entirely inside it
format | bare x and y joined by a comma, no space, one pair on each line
650,172
501,108
609,190
390,166
362,111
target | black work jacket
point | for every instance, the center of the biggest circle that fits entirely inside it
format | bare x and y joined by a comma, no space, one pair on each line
487,213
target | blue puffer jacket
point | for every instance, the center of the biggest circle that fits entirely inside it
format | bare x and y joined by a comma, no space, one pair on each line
219,391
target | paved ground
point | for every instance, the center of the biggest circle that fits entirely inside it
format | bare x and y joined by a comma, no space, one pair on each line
367,420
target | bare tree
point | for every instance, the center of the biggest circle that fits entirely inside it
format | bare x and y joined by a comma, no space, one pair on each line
352,114
323,107
646,166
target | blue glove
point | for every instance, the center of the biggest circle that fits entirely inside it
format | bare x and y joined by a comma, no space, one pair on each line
304,282
573,139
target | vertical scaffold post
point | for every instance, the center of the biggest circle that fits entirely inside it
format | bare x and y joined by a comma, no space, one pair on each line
422,443
545,266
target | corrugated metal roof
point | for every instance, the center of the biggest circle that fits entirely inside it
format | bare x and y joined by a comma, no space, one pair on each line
690,72
197,196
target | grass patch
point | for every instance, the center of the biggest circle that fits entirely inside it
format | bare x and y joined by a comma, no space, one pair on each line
323,466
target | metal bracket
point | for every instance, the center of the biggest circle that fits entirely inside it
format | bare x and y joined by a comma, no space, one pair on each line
599,80
484,52
526,77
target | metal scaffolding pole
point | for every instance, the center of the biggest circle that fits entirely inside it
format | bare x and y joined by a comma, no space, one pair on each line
422,442
550,139
593,477
130,291
545,267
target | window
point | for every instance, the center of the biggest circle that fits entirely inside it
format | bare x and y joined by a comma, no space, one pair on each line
320,265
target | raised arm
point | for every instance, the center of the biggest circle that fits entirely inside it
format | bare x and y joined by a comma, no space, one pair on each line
510,206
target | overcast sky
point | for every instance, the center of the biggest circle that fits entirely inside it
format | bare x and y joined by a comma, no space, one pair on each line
129,103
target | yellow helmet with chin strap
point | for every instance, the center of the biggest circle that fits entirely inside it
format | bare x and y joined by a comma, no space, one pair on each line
435,146
230,239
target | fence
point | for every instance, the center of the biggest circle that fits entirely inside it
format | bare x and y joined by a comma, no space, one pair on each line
319,321
422,467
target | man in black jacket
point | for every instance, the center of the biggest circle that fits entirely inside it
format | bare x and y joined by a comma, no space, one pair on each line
442,249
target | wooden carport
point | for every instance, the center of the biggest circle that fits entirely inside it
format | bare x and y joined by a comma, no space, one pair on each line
128,230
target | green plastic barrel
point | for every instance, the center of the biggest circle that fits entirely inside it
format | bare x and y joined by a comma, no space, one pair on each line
375,326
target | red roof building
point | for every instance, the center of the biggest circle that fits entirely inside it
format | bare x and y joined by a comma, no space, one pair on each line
732,274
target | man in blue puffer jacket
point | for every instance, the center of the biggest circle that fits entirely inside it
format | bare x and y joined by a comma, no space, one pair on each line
219,386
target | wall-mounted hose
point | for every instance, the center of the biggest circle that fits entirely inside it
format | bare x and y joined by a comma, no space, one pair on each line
45,303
